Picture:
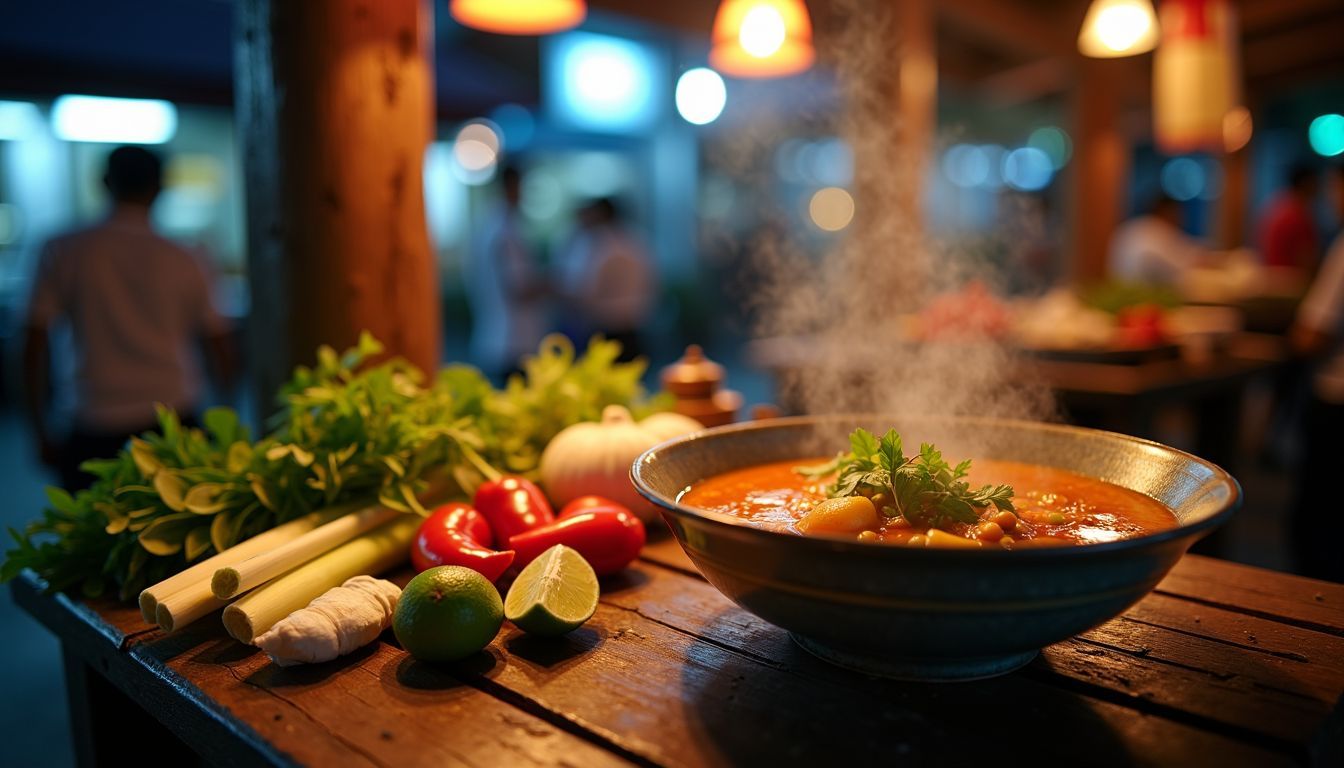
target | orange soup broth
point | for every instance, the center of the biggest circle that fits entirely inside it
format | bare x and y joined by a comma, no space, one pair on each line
1054,507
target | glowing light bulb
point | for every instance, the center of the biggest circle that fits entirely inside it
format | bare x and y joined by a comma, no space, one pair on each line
761,38
1121,26
762,31
701,96
1118,28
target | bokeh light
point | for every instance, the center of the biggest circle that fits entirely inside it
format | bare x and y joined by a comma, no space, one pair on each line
117,121
1027,169
701,96
19,120
516,124
603,82
763,31
1120,27
831,162
966,165
1054,142
1237,128
1183,178
831,208
543,195
476,152
1327,135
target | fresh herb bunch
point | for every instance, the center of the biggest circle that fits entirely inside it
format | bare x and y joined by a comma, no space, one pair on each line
924,488
347,434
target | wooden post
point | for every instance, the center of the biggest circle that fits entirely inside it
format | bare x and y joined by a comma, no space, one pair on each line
918,100
335,107
1101,159
1230,223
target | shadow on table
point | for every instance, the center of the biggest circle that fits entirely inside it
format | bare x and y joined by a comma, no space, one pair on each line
815,713
628,579
553,653
407,672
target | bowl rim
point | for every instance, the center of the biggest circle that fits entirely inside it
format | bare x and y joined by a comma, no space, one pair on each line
1181,531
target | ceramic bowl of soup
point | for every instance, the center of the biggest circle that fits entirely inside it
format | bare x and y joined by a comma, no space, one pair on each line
1112,514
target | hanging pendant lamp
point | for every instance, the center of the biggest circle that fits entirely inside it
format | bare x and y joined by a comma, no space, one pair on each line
519,17
762,38
1196,75
1116,28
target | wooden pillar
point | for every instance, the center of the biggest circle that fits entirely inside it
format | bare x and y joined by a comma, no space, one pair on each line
1230,224
918,102
335,107
1101,160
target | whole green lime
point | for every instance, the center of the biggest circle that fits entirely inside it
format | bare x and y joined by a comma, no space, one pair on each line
447,613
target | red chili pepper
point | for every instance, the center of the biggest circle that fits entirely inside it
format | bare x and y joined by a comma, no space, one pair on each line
608,535
456,534
512,505
581,503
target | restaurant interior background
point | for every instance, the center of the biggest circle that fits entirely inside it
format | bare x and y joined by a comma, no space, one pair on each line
625,107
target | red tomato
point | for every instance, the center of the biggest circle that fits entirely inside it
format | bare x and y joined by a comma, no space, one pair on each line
608,537
456,534
512,505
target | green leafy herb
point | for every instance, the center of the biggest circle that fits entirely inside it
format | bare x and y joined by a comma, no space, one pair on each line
347,434
924,488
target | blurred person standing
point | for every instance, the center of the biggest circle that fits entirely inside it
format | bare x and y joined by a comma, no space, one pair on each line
1287,230
134,303
507,290
1319,334
1152,248
613,285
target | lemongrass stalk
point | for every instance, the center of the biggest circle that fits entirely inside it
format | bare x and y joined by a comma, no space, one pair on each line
194,582
371,554
236,578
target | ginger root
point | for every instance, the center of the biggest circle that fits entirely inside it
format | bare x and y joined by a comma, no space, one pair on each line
335,623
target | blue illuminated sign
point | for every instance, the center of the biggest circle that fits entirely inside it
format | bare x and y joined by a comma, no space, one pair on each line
603,83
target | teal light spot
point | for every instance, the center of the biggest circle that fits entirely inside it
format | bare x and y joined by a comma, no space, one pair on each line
1327,135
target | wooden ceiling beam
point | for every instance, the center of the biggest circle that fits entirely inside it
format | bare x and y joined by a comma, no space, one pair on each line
1262,17
1293,48
1014,29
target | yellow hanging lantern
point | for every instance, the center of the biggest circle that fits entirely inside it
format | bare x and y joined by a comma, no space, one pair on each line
1195,75
519,17
762,38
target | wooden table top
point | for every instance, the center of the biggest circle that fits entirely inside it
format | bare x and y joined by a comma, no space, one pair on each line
1221,665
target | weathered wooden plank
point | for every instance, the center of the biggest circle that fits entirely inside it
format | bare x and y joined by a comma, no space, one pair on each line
1247,693
685,678
667,552
377,705
1296,600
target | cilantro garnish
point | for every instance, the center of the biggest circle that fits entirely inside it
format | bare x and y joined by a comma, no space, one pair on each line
924,488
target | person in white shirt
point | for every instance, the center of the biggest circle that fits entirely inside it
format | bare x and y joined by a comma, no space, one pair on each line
507,288
615,286
1153,249
1318,333
135,304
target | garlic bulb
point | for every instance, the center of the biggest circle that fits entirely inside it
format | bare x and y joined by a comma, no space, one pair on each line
667,425
594,457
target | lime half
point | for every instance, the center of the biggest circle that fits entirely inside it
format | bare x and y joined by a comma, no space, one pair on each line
554,594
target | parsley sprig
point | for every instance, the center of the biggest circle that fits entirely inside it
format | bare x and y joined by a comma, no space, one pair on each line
924,488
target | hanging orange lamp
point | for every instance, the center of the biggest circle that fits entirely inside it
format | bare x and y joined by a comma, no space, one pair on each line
1116,28
762,38
1196,75
519,17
